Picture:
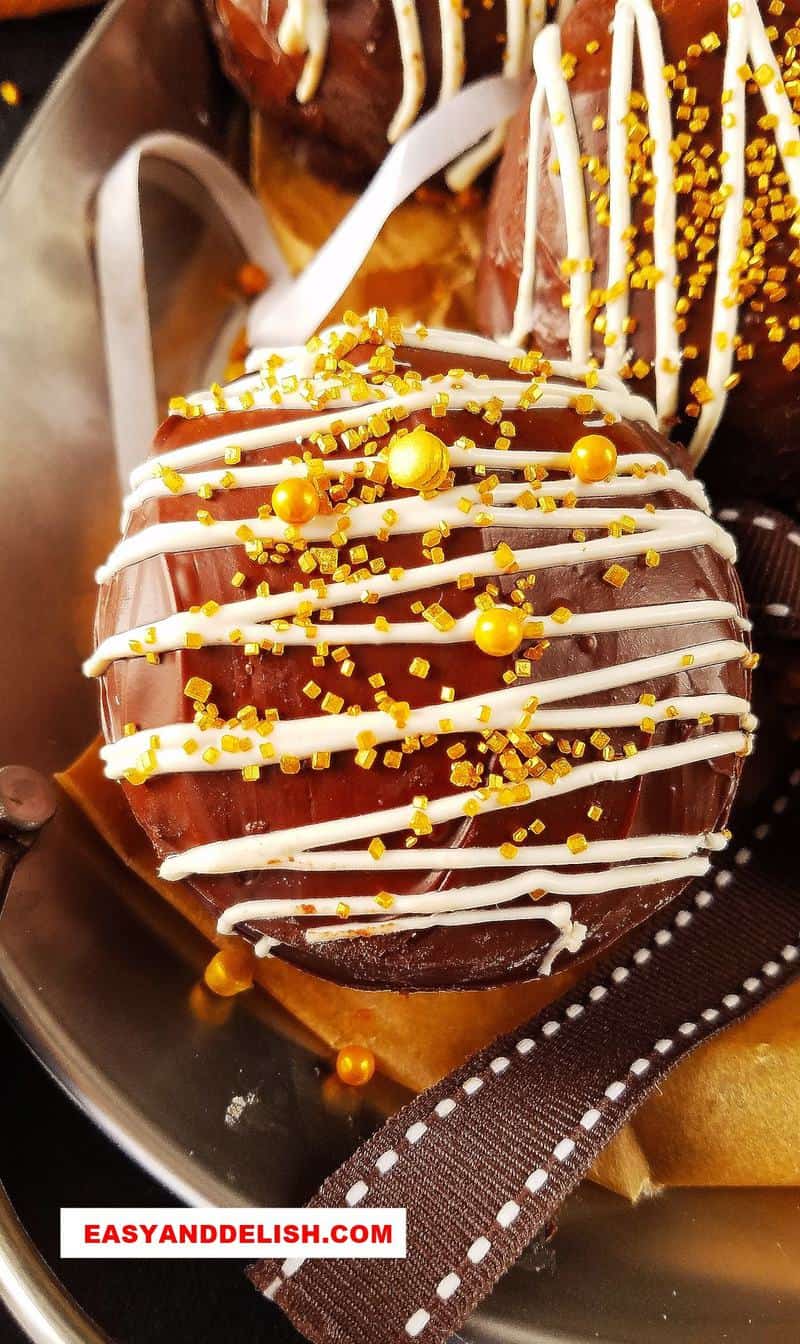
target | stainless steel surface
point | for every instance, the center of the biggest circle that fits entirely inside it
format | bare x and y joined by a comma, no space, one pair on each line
97,973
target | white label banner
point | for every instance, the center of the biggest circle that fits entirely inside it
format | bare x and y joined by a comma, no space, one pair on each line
237,1233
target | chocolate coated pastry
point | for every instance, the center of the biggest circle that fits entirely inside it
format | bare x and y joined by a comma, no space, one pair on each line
423,661
654,224
347,77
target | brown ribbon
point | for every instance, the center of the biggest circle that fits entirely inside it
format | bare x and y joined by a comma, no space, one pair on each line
483,1160
769,565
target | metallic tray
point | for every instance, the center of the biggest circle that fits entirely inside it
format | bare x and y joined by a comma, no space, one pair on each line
96,972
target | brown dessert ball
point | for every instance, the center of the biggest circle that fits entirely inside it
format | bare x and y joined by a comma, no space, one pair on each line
655,226
347,77
423,660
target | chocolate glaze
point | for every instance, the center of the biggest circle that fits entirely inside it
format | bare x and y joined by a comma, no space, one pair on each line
341,131
757,445
183,810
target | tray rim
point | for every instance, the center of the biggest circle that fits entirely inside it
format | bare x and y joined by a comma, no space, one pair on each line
69,1066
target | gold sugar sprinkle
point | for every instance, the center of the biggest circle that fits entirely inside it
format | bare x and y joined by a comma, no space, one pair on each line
617,576
332,704
198,689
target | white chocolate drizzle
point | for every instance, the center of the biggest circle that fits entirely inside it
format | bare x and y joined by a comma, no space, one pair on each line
169,635
627,486
253,852
451,860
413,62
669,529
439,907
612,400
519,36
339,732
552,104
451,20
287,620
304,31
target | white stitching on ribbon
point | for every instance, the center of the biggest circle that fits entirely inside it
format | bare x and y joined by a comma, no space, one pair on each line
564,1149
767,524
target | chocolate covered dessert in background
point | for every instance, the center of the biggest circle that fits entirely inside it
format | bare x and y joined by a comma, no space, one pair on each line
348,78
645,213
422,659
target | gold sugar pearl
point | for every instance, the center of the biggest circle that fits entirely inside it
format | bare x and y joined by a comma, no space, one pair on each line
295,500
418,460
251,279
499,631
230,971
593,458
355,1065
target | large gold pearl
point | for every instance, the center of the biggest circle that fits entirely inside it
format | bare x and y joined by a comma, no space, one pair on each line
593,458
418,460
499,631
295,500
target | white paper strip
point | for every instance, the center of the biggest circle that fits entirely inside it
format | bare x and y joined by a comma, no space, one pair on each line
288,312
119,250
431,144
